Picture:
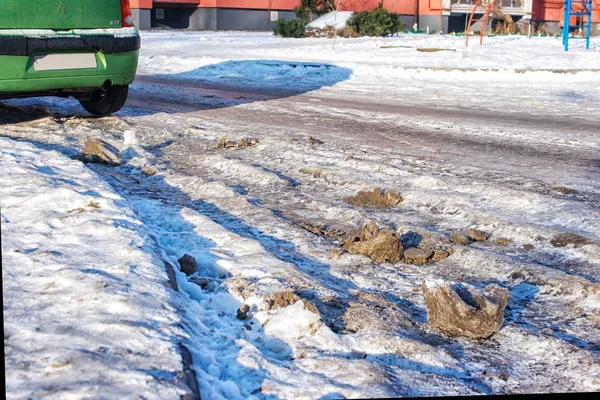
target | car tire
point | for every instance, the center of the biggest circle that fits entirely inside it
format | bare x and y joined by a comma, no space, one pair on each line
106,100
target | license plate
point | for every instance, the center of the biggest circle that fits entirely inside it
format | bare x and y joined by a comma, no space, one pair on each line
57,62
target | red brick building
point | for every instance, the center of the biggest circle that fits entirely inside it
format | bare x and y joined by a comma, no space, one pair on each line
445,15
211,14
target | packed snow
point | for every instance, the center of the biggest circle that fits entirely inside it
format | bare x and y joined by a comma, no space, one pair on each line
496,137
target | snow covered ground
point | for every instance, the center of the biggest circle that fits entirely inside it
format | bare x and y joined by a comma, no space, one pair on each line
534,75
86,310
498,137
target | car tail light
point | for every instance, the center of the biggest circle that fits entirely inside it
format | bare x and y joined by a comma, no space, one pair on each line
126,13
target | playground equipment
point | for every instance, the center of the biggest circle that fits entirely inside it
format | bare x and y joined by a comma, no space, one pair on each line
485,20
578,10
470,23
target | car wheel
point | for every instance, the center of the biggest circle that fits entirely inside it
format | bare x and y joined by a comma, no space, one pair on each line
107,100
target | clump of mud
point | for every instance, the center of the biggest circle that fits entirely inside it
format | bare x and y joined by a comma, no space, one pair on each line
380,245
100,151
459,238
287,298
188,264
378,198
224,143
421,247
323,230
564,190
565,239
417,256
242,312
503,241
465,311
432,49
477,235
383,245
472,235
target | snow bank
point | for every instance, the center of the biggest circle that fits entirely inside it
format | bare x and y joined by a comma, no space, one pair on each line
87,311
337,19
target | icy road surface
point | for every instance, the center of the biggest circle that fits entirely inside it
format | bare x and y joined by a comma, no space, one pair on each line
501,138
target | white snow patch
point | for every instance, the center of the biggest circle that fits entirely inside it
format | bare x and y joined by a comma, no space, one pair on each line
337,19
130,138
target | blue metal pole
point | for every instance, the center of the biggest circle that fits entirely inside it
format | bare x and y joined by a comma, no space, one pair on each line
589,24
566,22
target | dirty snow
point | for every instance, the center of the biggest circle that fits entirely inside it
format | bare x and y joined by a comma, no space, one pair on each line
483,137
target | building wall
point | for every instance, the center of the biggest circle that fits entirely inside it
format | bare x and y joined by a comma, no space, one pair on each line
402,7
173,17
254,14
141,18
204,19
229,19
212,18
257,4
553,10
240,4
140,11
543,10
147,4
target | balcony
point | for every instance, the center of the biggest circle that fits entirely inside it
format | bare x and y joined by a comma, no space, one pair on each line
485,3
516,7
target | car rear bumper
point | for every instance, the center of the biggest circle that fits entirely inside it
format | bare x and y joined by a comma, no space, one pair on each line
18,75
106,41
115,51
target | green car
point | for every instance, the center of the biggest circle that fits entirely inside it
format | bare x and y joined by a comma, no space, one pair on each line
87,49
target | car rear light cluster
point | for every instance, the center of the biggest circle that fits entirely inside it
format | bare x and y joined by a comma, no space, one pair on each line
126,13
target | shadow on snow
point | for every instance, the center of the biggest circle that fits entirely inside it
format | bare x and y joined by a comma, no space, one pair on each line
226,84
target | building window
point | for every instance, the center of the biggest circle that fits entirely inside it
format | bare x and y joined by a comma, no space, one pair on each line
160,13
